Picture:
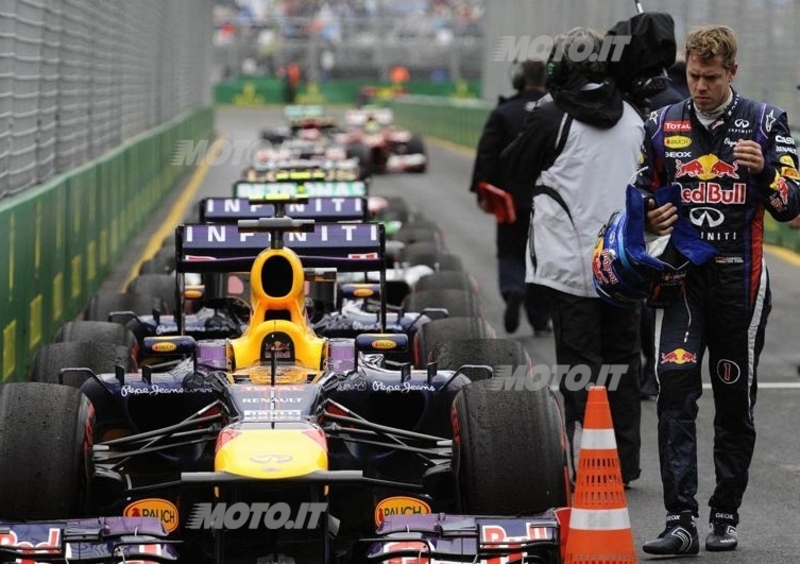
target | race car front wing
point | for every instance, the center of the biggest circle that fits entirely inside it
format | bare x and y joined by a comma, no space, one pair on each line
440,538
102,540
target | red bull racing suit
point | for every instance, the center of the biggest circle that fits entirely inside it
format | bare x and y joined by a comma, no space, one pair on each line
726,301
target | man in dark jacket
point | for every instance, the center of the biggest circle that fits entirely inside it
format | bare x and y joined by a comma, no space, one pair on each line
503,125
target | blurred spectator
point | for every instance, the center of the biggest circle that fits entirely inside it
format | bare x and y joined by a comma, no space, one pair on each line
399,75
291,81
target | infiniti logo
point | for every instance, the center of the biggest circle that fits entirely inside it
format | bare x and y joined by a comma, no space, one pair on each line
741,123
708,217
271,458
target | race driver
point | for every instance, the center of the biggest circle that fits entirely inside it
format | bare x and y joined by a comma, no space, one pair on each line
734,158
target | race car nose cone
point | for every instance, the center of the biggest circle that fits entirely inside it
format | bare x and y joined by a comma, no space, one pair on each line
271,454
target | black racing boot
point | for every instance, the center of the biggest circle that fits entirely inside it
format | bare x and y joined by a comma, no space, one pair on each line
679,536
722,531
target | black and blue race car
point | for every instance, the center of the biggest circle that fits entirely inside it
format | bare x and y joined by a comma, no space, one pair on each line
279,445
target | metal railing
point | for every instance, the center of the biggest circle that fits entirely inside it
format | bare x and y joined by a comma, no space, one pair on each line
78,77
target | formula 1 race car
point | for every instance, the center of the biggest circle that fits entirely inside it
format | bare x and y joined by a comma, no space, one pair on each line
300,118
218,301
379,145
309,134
279,445
314,179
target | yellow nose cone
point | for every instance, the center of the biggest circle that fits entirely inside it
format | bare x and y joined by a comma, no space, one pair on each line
273,454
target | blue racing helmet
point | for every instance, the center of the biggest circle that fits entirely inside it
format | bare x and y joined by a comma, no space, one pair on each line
629,266
617,278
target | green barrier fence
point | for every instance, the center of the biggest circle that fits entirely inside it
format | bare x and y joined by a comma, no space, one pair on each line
461,122
259,91
457,121
63,238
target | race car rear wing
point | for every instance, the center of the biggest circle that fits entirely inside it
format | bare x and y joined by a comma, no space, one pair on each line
325,209
100,540
298,111
312,189
358,117
348,247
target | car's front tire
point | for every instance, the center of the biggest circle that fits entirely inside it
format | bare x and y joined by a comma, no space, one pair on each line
509,450
46,433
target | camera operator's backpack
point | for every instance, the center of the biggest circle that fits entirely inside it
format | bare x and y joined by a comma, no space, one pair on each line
641,71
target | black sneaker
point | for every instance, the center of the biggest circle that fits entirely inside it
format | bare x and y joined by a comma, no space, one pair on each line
722,534
679,536
511,317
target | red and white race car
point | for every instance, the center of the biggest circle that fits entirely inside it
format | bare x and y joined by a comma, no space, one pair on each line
380,147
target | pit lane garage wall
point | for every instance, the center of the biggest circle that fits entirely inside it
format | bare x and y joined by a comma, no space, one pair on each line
94,98
461,122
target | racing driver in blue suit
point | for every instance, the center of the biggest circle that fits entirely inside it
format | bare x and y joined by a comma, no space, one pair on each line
734,159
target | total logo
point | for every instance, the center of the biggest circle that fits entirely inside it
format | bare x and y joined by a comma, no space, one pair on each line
678,356
673,126
705,168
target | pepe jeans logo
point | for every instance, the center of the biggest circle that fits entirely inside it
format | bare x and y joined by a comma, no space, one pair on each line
405,387
156,390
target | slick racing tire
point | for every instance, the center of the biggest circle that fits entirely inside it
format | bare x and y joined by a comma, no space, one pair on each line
156,266
411,234
163,286
509,456
422,252
416,146
396,210
99,357
448,262
507,357
163,262
430,253
46,435
453,279
104,303
458,303
96,331
450,329
364,156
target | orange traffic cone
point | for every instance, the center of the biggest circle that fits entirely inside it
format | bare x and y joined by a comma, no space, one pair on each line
599,526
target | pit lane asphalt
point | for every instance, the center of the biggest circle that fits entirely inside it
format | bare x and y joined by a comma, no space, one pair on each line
770,515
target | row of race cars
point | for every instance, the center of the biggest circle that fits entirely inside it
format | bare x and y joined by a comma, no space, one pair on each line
284,381
367,136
